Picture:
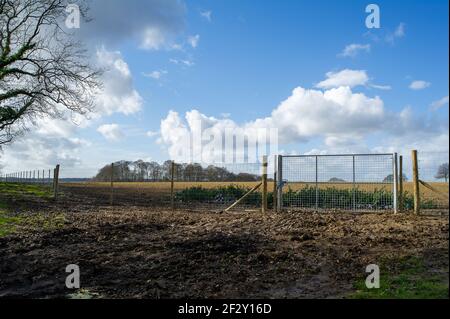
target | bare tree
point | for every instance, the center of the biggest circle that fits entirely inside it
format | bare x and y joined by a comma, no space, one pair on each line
43,68
442,172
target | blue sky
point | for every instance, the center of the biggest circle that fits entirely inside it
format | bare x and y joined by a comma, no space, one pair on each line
239,60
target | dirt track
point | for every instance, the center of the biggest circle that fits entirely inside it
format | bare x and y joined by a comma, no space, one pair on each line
148,253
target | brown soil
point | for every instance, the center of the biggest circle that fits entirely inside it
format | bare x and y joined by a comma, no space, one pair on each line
138,252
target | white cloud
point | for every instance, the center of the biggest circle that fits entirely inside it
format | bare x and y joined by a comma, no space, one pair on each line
439,103
153,39
112,132
152,134
118,94
194,40
182,62
334,114
419,85
155,74
46,144
353,50
381,87
206,14
350,78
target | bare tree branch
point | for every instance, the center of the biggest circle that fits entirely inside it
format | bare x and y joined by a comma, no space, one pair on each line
43,69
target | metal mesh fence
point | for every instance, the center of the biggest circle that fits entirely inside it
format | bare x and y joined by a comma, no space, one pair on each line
183,186
359,182
347,182
433,174
218,186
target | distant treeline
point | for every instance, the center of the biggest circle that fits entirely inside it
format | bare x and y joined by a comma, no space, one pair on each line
140,171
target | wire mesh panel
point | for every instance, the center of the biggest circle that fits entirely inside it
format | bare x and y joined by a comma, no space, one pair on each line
217,187
348,182
191,186
434,177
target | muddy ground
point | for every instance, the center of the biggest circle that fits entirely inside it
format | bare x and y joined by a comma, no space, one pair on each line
138,252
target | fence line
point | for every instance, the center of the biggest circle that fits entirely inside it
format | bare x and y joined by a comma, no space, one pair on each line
356,182
42,177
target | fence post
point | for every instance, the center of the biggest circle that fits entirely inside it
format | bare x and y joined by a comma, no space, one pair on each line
395,172
56,181
274,193
353,184
111,179
172,181
400,183
416,182
264,184
280,183
317,183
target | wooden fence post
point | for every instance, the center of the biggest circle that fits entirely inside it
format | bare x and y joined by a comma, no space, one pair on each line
274,193
264,184
416,182
400,184
172,181
395,183
111,195
56,182
280,183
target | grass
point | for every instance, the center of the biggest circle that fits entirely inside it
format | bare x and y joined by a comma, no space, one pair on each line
34,222
20,190
408,278
8,224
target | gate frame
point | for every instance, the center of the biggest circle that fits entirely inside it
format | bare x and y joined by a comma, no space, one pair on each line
280,183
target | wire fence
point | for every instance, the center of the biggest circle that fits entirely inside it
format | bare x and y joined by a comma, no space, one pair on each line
39,176
346,182
354,182
434,178
175,185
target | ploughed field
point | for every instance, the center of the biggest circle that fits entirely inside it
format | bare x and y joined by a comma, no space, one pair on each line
131,251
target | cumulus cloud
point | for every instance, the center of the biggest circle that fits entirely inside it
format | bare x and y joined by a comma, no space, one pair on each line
340,117
118,94
48,143
354,49
419,85
111,132
439,103
304,115
346,77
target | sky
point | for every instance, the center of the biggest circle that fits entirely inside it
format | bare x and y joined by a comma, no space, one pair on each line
311,69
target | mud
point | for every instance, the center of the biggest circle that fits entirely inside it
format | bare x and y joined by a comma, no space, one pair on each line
137,252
